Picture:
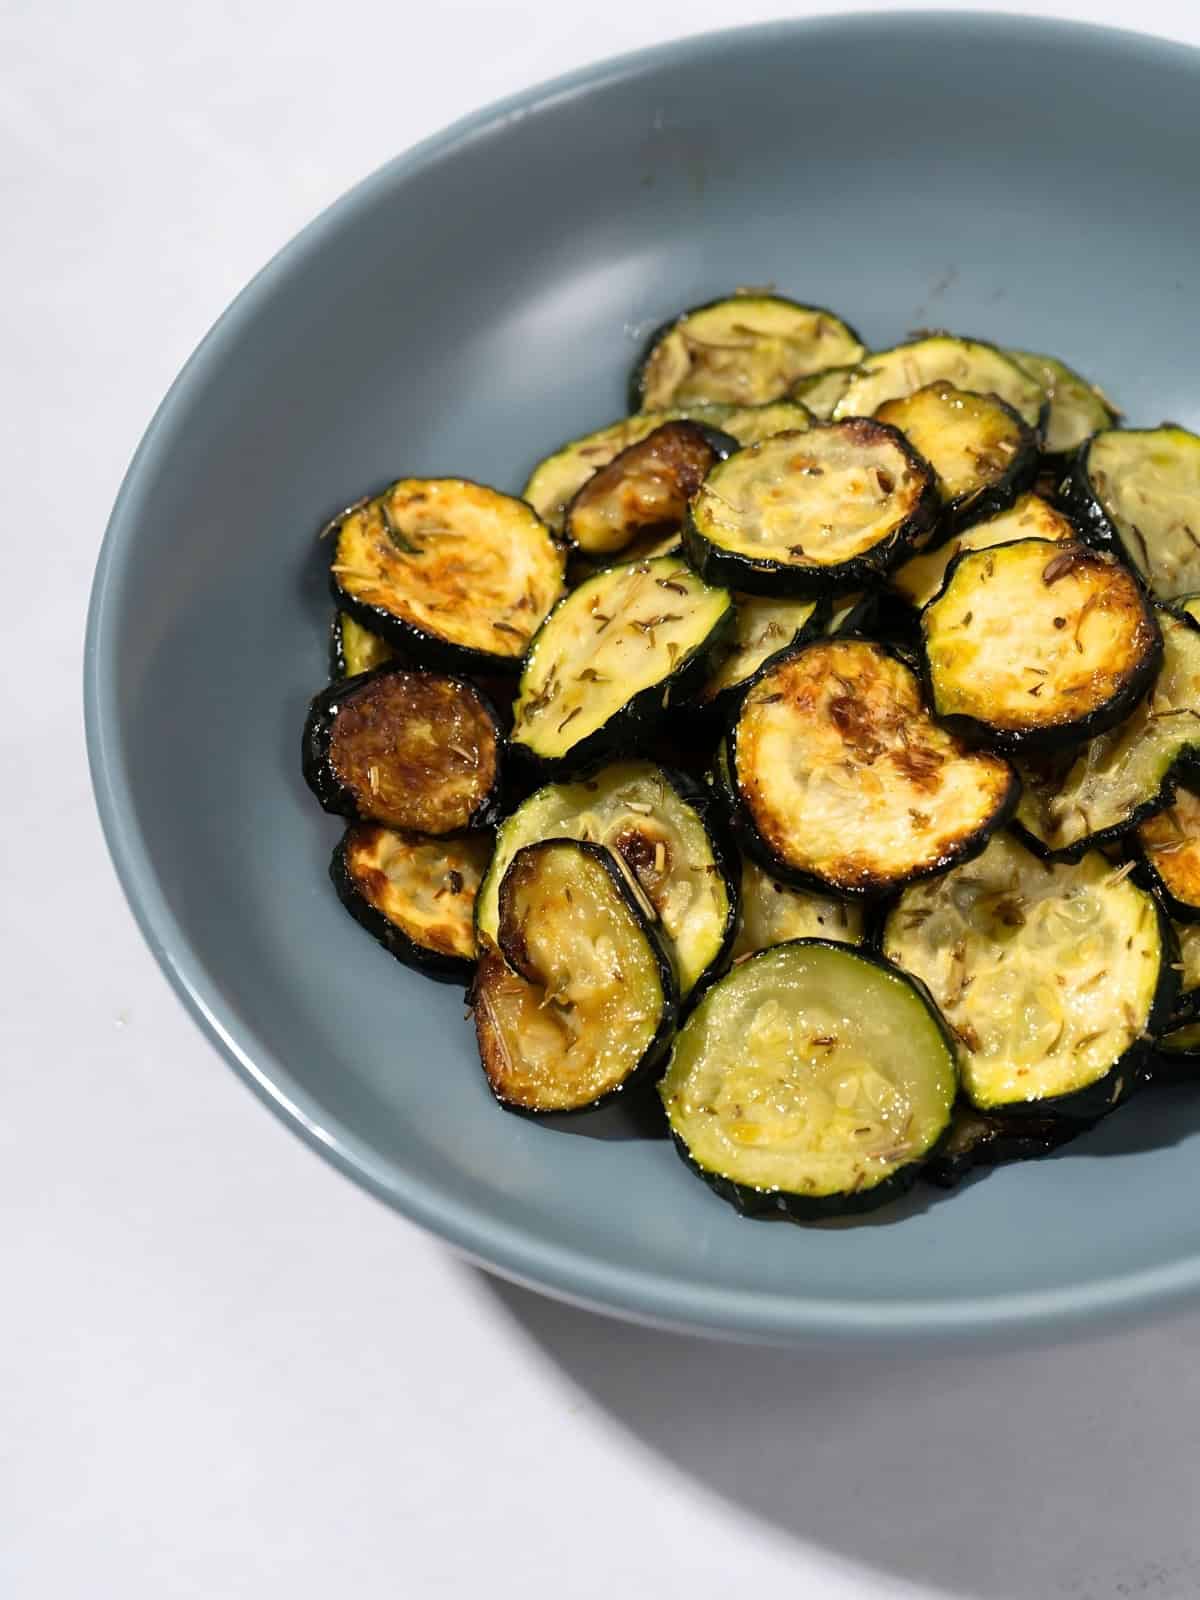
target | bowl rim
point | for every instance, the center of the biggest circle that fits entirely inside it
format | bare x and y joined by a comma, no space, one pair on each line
508,1249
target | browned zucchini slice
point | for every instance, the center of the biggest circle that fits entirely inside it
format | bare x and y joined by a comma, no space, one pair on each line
1051,977
966,363
1035,643
841,778
416,896
920,578
644,491
984,454
659,824
745,350
455,574
1170,846
814,513
413,750
771,913
580,996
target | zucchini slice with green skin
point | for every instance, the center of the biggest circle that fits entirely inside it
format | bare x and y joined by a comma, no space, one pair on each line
743,350
762,630
1120,778
1051,977
772,913
1077,408
454,574
580,998
555,482
983,452
1177,1054
413,750
979,1140
809,514
1188,605
920,578
415,896
813,1080
1035,644
659,824
1169,845
613,656
842,780
644,492
1137,492
966,363
354,649
821,391
853,613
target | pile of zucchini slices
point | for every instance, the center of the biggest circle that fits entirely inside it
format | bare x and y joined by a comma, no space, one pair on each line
815,751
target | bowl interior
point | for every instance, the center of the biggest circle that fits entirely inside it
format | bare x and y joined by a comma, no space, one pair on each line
466,310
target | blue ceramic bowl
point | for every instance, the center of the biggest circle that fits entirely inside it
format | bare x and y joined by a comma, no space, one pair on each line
463,311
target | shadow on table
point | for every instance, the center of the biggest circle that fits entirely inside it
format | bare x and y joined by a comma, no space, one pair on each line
1023,1475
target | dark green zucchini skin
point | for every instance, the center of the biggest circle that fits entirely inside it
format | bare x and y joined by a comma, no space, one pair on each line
635,728
1150,878
656,1051
730,569
430,963
770,1203
996,1142
1072,853
1047,740
324,782
634,396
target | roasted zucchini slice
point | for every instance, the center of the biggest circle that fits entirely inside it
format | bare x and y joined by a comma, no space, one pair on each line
1138,492
1122,777
821,391
1051,977
966,363
354,649
815,513
920,578
1177,1053
580,996
659,825
842,779
1077,408
1169,844
745,350
762,630
983,452
772,913
979,1140
415,895
644,492
1188,605
853,613
555,482
1033,644
812,1080
613,656
413,750
455,574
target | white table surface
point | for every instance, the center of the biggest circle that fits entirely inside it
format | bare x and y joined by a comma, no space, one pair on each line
224,1371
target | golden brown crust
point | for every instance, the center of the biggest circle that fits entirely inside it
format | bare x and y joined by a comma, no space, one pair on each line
643,491
416,750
